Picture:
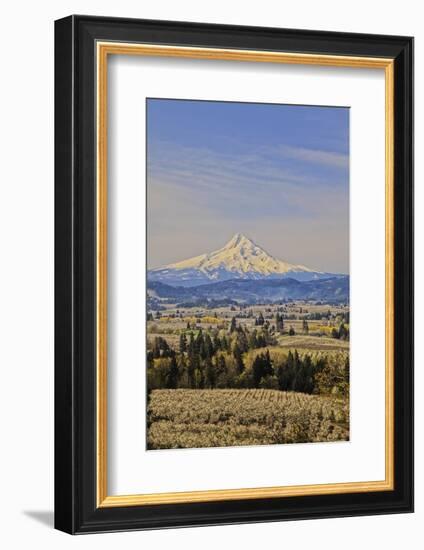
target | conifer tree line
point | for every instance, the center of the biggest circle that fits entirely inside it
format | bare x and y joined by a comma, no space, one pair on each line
210,359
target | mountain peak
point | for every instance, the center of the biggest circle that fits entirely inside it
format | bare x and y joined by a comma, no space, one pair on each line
239,258
239,240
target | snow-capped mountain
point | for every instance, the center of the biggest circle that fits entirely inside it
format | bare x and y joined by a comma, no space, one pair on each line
240,258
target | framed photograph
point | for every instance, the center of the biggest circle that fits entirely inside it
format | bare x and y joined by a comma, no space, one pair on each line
234,274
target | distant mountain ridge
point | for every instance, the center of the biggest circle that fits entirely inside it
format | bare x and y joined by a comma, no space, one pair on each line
250,291
240,258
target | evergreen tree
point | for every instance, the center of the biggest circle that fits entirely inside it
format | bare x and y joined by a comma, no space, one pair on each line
257,371
242,340
283,376
297,376
199,378
193,365
290,359
233,325
172,379
221,371
183,374
238,357
343,332
198,343
150,359
296,358
279,323
262,367
335,333
183,343
210,374
208,346
216,343
269,371
161,348
224,343
308,384
191,344
290,368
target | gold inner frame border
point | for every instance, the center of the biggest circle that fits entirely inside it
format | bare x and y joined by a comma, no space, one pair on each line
103,50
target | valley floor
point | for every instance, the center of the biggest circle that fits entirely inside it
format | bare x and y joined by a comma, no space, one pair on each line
258,374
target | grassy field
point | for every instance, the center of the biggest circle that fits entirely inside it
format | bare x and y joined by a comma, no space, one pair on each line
292,386
184,418
312,343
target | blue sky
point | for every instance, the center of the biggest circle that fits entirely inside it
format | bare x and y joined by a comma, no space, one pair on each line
277,173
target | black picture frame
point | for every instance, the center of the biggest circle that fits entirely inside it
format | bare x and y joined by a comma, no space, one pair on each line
76,510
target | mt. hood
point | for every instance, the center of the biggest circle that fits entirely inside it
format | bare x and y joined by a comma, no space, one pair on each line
240,258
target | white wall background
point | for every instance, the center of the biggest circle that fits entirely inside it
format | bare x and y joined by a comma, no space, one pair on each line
26,274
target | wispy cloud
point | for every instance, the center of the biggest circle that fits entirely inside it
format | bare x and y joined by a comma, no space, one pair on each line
286,167
258,181
315,156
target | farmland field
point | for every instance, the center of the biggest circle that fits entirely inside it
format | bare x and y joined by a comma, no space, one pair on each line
254,374
185,418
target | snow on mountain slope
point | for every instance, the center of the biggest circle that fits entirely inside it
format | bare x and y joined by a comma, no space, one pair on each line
239,258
